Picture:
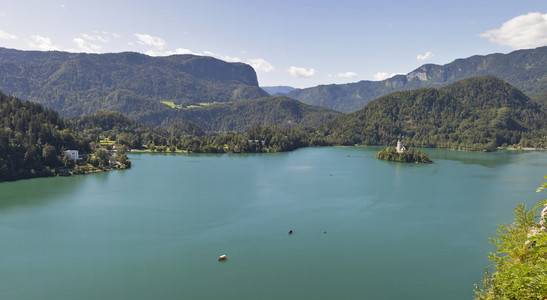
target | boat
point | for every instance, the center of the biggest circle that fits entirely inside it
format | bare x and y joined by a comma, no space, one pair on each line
222,257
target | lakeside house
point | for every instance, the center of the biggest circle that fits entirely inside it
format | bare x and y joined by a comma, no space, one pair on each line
72,153
262,142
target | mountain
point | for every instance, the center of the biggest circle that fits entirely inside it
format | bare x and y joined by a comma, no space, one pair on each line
243,115
277,90
479,113
524,69
32,139
77,84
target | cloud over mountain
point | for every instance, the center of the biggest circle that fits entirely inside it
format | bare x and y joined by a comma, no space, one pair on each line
345,75
300,72
149,40
424,57
260,64
521,32
6,36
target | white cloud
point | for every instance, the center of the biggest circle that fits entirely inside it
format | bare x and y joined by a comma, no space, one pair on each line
2,14
178,51
259,64
424,57
85,46
345,75
521,32
42,43
6,36
227,58
148,40
86,42
95,37
301,72
383,75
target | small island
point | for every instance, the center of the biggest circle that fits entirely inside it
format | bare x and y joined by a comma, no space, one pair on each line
401,154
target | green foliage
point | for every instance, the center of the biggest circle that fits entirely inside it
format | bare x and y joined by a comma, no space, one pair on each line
241,116
525,69
77,84
474,114
409,156
543,203
520,261
32,140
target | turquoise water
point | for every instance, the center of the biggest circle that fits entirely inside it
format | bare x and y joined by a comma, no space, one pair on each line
393,231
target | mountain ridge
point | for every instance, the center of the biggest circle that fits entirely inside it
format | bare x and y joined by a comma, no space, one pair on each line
479,113
77,84
525,69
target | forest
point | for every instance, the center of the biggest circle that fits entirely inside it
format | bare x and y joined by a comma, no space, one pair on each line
478,114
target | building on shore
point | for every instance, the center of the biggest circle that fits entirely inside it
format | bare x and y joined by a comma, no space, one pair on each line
400,147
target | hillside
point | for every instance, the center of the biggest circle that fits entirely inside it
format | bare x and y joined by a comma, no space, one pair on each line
32,139
479,113
524,69
243,115
276,90
77,84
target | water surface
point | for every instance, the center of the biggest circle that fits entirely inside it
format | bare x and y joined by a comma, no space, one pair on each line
393,231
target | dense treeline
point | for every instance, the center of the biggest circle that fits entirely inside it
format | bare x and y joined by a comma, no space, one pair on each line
409,156
187,136
269,138
32,139
243,115
480,113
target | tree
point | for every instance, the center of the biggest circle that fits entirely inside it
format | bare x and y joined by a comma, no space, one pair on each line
68,162
102,157
49,154
520,259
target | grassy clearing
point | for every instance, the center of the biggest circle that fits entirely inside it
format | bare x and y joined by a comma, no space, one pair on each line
172,104
106,142
179,106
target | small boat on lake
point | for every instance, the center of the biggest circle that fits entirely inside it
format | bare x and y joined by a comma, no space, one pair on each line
222,257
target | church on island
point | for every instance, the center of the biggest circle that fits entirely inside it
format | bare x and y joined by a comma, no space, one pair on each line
400,147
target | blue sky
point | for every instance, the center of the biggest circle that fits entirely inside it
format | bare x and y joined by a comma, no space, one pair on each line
296,43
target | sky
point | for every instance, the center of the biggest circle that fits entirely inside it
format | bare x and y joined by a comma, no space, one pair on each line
295,43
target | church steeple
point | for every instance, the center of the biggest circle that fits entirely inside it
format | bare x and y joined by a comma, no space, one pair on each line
400,147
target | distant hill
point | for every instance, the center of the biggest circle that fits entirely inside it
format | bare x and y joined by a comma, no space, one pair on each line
243,115
77,84
524,69
277,90
479,113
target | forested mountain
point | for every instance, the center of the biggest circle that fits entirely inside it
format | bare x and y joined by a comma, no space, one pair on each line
77,84
479,113
524,69
32,139
243,115
276,90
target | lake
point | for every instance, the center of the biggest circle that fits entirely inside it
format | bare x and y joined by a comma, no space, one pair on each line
362,228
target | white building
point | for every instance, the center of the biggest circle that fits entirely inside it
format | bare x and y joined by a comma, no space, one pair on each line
400,147
73,154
